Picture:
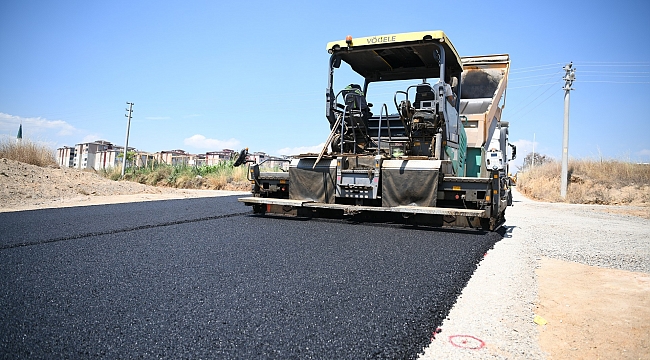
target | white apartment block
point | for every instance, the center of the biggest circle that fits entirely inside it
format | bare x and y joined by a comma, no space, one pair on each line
96,155
197,160
109,158
173,157
65,156
215,157
86,153
103,155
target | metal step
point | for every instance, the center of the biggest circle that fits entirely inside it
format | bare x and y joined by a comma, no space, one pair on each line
274,176
357,171
357,208
392,138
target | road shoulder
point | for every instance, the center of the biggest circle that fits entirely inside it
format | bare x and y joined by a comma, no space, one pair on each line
592,312
88,200
494,315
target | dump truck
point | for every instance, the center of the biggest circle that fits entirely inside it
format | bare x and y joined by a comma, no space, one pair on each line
419,137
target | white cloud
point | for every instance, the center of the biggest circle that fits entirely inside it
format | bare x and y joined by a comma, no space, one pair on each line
201,142
301,150
35,125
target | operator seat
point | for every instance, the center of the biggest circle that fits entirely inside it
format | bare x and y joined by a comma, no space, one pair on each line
353,96
425,97
356,100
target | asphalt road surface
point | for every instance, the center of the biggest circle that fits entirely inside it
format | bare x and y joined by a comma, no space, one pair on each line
204,278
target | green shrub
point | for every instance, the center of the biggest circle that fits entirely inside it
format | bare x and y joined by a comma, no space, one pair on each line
220,176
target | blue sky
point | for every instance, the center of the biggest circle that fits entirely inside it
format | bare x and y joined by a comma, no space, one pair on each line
205,75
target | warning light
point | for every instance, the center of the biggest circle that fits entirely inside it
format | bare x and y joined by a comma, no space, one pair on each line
348,40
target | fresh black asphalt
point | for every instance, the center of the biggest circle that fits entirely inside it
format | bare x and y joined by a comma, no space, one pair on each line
204,278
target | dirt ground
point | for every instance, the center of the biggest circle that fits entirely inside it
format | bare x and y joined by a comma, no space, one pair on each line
28,187
591,312
640,211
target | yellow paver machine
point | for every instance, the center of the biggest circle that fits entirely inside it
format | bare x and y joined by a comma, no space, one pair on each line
418,137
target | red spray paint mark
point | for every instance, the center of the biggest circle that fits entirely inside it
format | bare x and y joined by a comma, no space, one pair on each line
433,334
466,342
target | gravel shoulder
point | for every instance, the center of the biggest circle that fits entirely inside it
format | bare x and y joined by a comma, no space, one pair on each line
519,279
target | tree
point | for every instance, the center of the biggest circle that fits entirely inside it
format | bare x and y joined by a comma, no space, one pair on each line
538,159
130,155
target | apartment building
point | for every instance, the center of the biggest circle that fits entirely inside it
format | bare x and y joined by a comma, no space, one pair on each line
257,157
173,157
198,160
269,161
109,158
215,157
65,156
103,155
143,159
98,155
86,153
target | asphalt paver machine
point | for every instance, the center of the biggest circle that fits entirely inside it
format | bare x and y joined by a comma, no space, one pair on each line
432,150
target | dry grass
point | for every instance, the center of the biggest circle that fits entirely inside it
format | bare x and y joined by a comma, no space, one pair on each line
27,152
219,177
608,182
230,180
113,173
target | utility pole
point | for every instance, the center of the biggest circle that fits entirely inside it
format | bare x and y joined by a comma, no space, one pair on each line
532,161
569,77
126,145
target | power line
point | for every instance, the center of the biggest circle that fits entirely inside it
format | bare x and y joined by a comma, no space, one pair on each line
618,76
615,82
526,71
593,73
535,67
613,62
539,86
616,72
533,77
538,66
536,106
551,84
617,65
87,111
534,85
